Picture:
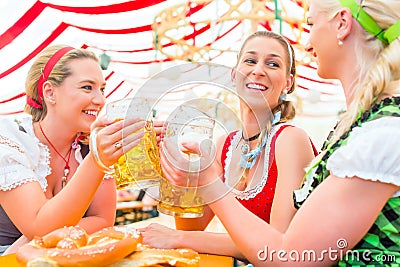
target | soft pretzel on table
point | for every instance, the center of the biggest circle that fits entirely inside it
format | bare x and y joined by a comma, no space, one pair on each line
71,246
146,256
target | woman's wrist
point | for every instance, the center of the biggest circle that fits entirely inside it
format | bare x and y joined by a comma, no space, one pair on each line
181,239
89,165
187,239
101,165
213,191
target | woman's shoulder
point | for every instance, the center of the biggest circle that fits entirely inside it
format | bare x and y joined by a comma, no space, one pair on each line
16,125
23,158
8,124
9,130
387,121
376,130
291,138
17,132
371,152
291,133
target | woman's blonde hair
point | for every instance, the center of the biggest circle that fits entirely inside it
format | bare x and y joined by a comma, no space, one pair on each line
58,74
286,107
377,77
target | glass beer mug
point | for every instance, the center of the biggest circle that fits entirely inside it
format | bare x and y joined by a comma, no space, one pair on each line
187,125
139,167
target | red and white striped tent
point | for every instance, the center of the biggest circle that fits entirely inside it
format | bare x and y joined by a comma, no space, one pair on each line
128,32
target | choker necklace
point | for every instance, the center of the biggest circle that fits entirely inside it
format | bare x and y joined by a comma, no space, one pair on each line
66,158
254,137
249,157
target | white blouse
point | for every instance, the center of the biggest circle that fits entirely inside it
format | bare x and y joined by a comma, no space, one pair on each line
23,158
372,152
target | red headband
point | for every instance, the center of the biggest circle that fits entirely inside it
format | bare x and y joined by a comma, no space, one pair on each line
45,74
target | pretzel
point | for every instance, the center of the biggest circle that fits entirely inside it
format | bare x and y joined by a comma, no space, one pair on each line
71,246
154,257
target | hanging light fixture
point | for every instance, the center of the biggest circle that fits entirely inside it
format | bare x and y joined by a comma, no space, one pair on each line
104,61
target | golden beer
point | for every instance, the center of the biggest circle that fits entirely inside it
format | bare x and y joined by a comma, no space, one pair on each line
188,125
179,202
139,167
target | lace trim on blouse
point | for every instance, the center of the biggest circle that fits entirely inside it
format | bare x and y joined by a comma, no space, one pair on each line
251,192
30,158
44,168
6,141
24,168
12,173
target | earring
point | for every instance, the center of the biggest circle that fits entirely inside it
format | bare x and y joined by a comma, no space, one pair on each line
283,95
340,42
52,101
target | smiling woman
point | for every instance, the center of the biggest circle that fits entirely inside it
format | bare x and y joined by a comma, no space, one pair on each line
264,161
44,155
349,199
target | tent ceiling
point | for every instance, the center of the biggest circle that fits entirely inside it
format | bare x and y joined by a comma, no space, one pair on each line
145,36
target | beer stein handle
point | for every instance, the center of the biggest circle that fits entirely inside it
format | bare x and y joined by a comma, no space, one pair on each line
93,148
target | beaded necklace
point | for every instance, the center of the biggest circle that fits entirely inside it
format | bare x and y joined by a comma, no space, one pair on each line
65,159
318,172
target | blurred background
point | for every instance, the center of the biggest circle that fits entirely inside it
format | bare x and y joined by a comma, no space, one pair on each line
138,39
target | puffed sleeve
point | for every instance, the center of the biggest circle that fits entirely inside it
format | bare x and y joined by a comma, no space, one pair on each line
22,158
372,152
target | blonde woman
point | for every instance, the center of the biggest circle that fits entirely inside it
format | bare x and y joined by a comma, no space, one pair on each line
48,178
349,202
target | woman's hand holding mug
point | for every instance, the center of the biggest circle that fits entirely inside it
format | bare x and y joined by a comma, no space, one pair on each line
109,139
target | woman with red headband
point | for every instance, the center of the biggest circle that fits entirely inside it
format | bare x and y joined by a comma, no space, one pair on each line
46,179
349,201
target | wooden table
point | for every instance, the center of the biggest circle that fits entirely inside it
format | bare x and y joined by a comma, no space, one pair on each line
8,260
214,226
206,260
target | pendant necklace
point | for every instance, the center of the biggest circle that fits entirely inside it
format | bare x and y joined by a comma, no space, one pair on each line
245,147
66,158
